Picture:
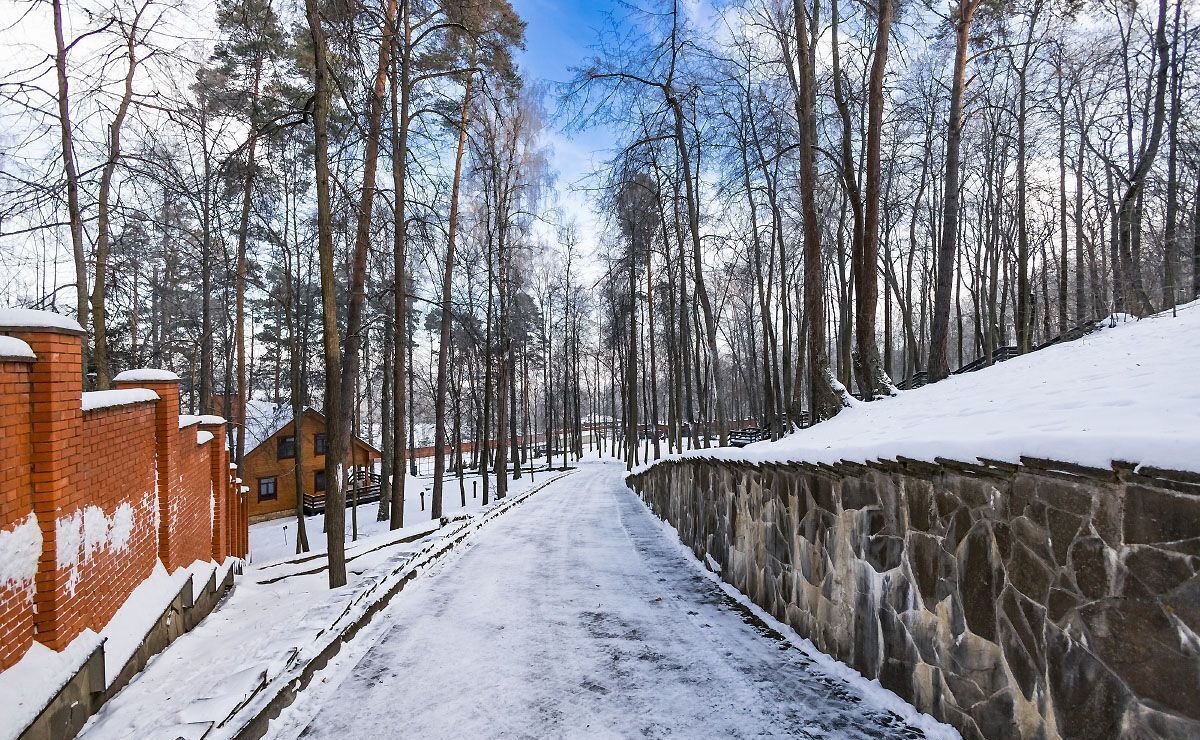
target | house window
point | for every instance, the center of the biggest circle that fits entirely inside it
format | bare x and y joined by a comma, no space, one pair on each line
318,481
267,490
287,447
319,444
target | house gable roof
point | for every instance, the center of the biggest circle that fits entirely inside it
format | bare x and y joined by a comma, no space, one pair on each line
264,420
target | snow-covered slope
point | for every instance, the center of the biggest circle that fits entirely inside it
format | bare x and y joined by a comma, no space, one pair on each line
1130,392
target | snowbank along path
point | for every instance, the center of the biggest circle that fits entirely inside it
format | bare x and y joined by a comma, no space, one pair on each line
579,614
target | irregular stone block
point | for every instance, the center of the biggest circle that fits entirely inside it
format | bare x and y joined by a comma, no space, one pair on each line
1159,570
1033,601
1092,566
1029,573
1142,645
978,576
1155,515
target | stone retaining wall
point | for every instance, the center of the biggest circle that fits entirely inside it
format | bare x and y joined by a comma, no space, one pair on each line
1038,600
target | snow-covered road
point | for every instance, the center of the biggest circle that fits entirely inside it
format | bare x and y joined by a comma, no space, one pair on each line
576,615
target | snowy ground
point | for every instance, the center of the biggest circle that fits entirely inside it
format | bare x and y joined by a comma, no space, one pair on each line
1126,393
576,614
276,538
27,686
277,613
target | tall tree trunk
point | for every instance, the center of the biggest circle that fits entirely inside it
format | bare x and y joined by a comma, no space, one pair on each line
439,431
352,350
1170,284
387,426
206,260
824,400
1063,258
631,380
1128,213
401,96
947,249
701,291
485,422
1081,304
1196,240
296,369
335,503
852,198
67,142
872,379
103,222
1024,256
239,340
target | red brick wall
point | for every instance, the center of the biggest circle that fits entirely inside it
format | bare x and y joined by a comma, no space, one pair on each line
114,470
114,490
56,421
16,505
190,506
218,476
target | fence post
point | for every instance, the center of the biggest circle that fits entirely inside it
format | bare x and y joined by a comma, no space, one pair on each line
166,435
17,517
56,419
218,457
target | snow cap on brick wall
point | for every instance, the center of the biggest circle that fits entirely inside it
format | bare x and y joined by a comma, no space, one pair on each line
121,397
211,419
203,437
145,375
29,318
13,348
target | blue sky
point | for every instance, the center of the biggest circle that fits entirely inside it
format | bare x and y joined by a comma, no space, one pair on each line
559,33
559,36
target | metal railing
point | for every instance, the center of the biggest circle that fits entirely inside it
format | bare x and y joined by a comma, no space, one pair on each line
361,486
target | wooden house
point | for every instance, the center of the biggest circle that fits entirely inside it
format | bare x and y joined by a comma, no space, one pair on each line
269,465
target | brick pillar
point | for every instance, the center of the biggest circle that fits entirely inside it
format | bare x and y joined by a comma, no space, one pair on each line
218,456
243,521
16,500
237,514
56,419
166,435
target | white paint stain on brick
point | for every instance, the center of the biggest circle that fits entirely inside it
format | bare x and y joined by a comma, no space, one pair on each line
84,533
20,548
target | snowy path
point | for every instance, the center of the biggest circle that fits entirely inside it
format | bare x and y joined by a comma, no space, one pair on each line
574,615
